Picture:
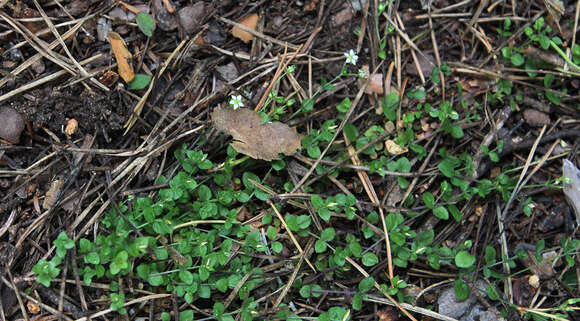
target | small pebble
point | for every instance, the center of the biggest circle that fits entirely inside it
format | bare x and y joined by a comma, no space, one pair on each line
11,124
191,17
165,20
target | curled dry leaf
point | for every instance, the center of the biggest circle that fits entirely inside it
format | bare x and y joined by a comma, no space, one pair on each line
375,85
250,22
71,127
534,281
393,148
52,193
32,307
123,56
108,78
252,137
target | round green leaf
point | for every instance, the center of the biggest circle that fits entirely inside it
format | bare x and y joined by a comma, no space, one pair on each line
461,289
327,235
517,59
441,212
366,284
186,276
464,260
357,301
93,258
429,200
320,246
277,247
370,259
305,291
186,315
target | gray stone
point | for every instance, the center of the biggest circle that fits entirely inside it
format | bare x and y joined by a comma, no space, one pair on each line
451,307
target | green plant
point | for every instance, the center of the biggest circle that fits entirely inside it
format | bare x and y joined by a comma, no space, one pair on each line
504,30
494,153
48,270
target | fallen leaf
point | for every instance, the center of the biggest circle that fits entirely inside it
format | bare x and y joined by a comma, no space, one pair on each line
536,118
250,22
52,194
376,83
33,307
123,56
343,16
393,148
109,78
71,127
252,137
388,314
166,20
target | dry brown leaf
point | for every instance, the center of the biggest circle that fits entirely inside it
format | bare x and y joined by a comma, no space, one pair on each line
393,148
71,127
375,85
123,56
33,307
52,193
250,21
108,78
252,138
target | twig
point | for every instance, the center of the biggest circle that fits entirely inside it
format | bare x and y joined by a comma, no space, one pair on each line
378,287
259,34
294,240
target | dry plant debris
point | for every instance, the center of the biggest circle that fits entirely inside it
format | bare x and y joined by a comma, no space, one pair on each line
250,22
253,137
123,57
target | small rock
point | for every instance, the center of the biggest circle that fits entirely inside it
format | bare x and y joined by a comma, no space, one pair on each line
479,314
165,20
228,73
38,66
451,307
11,124
536,118
426,63
191,17
214,36
77,7
343,16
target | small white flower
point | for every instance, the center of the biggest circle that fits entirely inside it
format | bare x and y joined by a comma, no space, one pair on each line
351,57
236,101
362,73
